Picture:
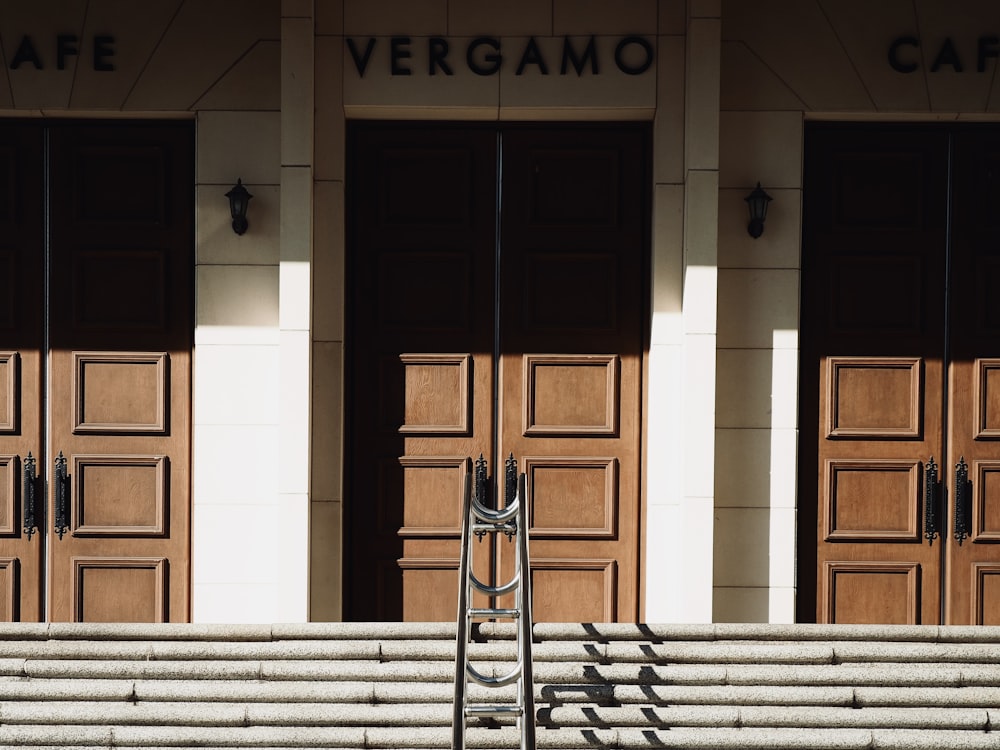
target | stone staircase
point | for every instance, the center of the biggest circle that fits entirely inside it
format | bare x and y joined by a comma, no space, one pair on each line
596,685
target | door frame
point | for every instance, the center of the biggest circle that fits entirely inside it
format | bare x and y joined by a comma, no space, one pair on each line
809,397
644,332
171,137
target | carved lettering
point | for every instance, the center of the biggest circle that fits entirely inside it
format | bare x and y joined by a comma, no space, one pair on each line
532,56
67,46
400,51
437,48
494,58
947,55
361,61
26,53
987,47
621,54
904,60
894,62
569,56
103,51
633,55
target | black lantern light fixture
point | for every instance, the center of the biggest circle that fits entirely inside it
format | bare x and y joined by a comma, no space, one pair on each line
239,198
757,203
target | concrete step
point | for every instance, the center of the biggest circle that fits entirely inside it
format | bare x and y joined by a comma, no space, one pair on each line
391,686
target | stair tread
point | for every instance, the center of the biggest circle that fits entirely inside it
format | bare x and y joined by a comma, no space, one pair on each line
364,685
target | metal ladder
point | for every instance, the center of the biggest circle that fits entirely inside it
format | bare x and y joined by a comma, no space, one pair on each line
479,520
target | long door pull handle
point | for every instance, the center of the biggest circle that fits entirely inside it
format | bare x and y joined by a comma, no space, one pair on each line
62,496
931,500
963,500
28,496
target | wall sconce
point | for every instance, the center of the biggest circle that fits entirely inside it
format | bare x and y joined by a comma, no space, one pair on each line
239,198
757,203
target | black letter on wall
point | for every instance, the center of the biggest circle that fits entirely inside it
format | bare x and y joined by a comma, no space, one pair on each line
26,53
103,49
894,62
569,56
987,48
65,46
361,61
633,70
399,46
532,56
437,49
947,56
494,57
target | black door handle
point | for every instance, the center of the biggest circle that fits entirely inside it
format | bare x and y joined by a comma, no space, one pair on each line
931,500
28,496
62,496
963,500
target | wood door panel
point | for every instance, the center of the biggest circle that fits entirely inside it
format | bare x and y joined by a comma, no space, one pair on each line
119,289
572,496
441,302
119,589
985,501
8,290
413,196
872,500
985,594
872,592
430,589
577,291
986,410
874,397
10,580
119,495
573,589
432,493
872,293
9,494
121,392
882,190
437,393
571,394
9,394
575,184
121,183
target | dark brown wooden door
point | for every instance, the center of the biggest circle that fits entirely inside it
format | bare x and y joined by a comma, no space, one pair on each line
105,376
498,291
897,346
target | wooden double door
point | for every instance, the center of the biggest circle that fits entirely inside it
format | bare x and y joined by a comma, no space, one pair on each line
96,256
497,280
900,378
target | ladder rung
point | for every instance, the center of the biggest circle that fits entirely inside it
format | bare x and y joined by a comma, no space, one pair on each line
494,711
477,612
491,527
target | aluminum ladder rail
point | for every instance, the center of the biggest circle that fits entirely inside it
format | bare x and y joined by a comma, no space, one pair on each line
479,520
